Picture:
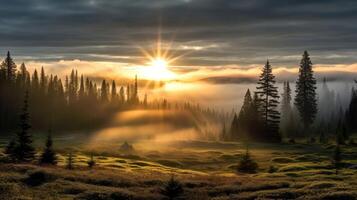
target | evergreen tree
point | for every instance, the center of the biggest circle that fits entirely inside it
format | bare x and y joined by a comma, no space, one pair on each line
49,155
268,94
114,94
245,118
173,189
104,92
43,82
24,150
81,92
305,99
247,164
122,95
10,68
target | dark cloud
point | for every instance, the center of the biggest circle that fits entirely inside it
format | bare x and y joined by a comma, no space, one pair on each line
241,32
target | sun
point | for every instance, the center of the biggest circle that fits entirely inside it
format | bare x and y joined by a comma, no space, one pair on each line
158,69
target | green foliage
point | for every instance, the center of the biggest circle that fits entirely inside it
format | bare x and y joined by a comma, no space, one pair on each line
49,155
247,164
305,98
24,151
172,190
268,97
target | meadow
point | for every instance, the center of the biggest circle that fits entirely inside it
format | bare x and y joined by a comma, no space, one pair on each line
207,170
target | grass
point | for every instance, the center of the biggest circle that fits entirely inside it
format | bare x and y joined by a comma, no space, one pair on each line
207,170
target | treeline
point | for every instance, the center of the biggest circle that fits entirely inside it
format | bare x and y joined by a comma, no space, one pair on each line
75,103
269,117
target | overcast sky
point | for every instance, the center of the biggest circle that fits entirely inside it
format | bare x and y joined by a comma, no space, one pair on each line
211,32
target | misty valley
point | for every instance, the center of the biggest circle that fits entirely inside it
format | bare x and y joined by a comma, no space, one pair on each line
77,137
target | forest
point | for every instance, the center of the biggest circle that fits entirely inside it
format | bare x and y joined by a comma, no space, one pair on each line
267,150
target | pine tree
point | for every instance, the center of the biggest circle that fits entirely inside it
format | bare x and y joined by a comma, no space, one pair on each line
114,94
104,92
81,92
24,150
122,95
43,82
245,118
173,189
247,164
268,94
49,155
10,68
305,98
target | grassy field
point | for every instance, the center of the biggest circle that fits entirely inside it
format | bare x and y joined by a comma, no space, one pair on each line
207,170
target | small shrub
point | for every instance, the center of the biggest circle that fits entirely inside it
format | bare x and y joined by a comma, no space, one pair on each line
272,169
247,164
70,161
38,178
91,162
172,189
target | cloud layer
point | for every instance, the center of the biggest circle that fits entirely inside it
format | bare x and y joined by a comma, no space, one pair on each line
215,32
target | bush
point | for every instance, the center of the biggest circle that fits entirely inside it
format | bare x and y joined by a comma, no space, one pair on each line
247,164
272,169
172,189
91,162
38,178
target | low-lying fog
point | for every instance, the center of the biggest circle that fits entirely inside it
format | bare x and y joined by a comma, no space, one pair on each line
151,129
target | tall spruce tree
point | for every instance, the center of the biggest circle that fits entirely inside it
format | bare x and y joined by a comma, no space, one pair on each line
305,98
24,151
268,95
245,118
10,68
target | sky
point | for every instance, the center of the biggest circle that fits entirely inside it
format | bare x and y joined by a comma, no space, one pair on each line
214,37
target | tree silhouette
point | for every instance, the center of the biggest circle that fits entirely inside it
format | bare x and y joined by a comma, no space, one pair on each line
24,151
268,94
173,189
305,98
247,164
10,68
49,155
